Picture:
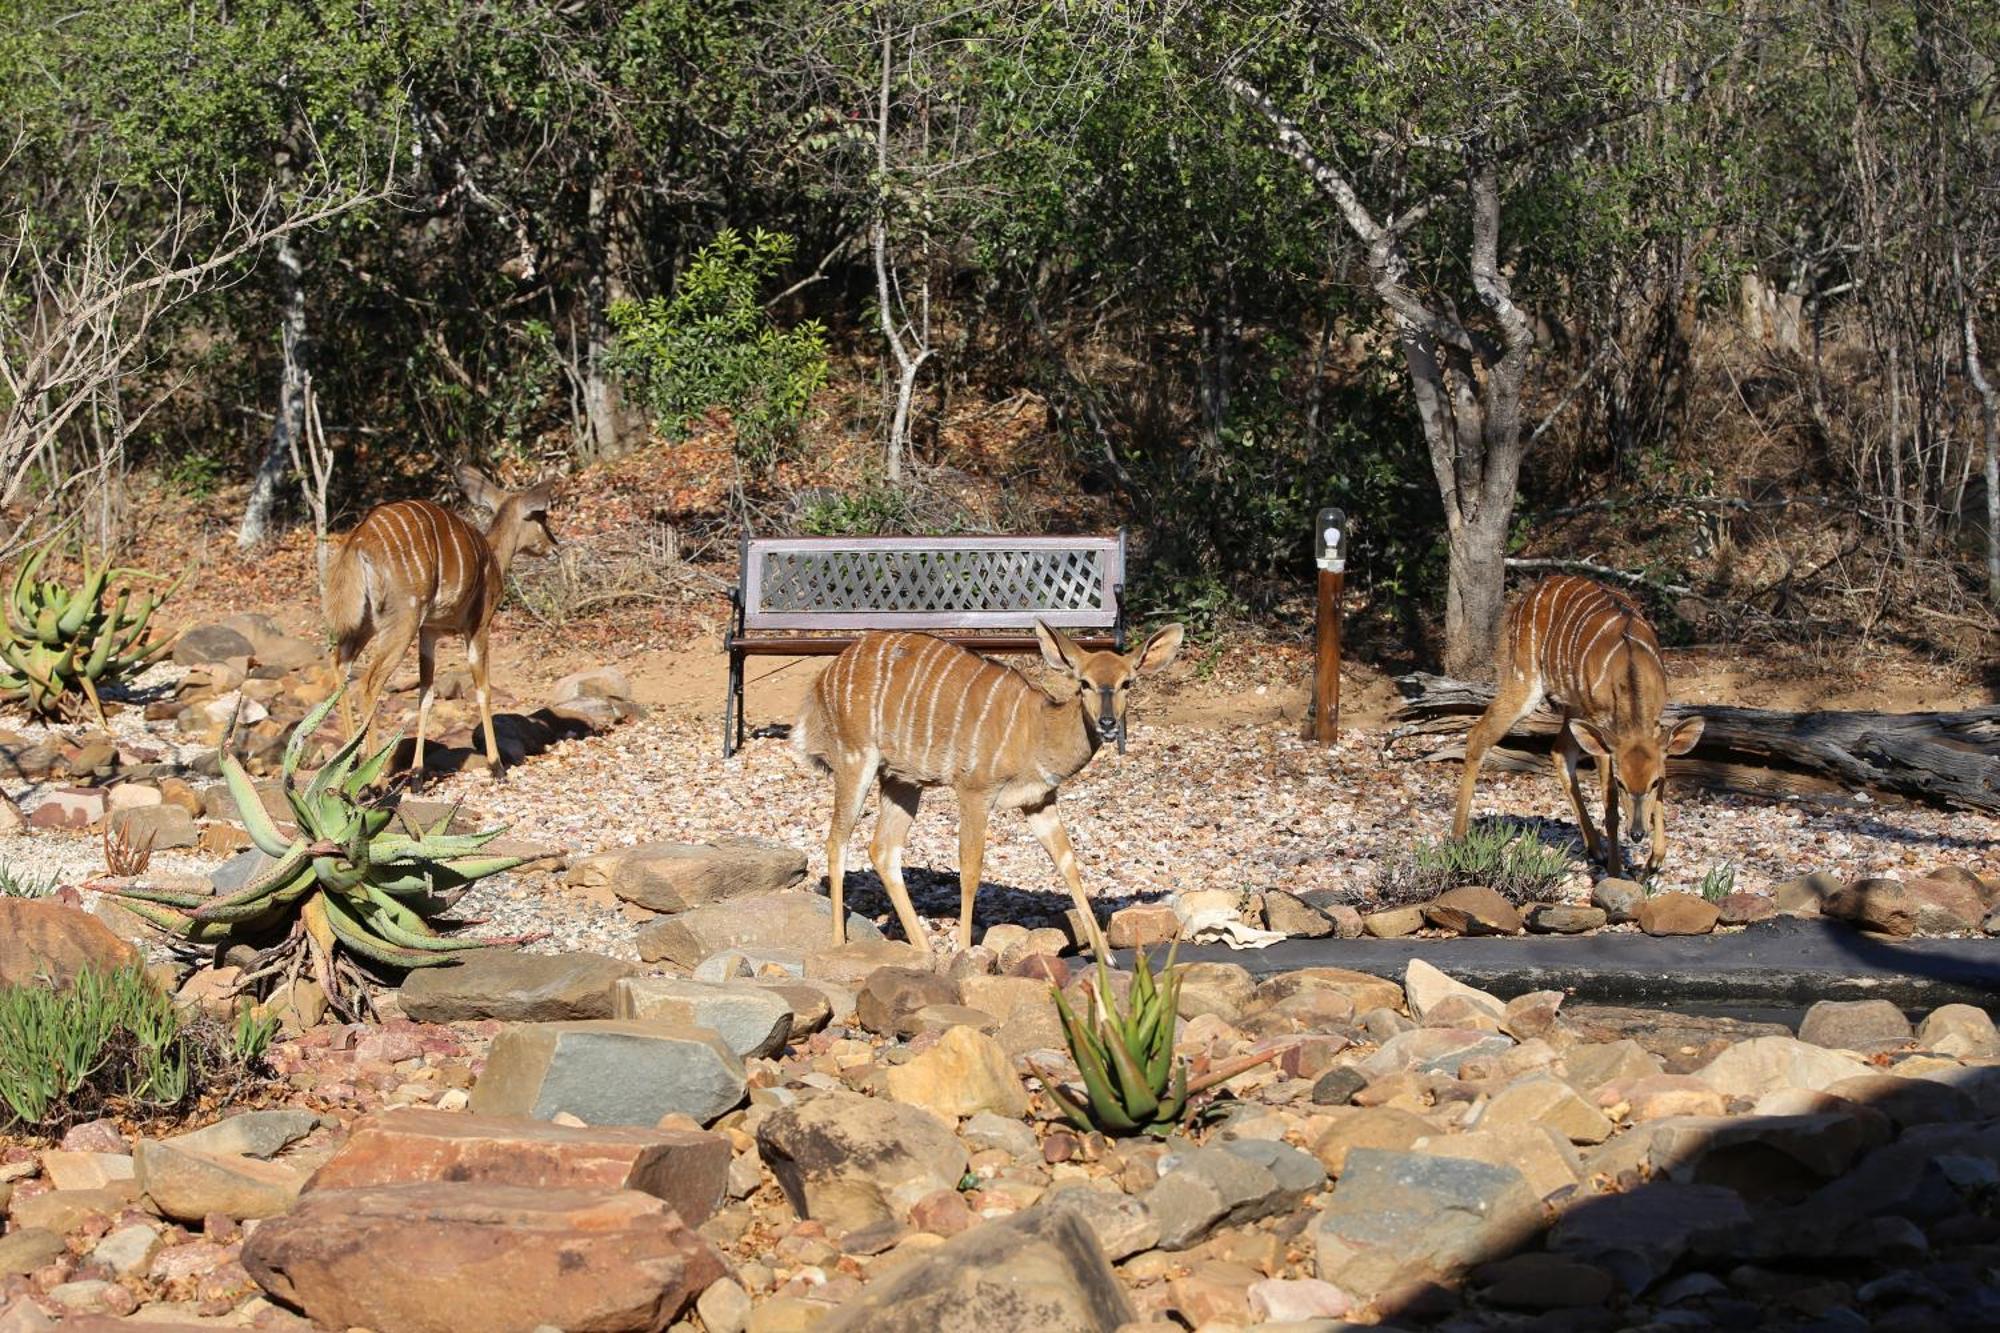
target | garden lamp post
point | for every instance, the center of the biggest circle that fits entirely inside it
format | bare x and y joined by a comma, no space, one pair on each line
1330,554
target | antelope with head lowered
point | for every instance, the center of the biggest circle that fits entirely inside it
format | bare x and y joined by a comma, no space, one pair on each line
920,712
413,570
1588,650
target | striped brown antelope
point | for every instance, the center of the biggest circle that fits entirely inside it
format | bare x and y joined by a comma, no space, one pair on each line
920,712
1589,651
415,570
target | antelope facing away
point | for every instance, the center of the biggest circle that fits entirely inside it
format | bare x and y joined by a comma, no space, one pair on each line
921,712
1588,650
415,570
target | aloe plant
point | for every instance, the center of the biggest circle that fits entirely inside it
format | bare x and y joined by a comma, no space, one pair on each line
1132,1081
343,887
62,642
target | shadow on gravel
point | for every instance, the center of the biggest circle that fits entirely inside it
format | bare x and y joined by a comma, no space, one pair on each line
1872,1205
934,893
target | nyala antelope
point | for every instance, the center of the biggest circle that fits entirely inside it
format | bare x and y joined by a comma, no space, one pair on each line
1589,651
415,570
919,712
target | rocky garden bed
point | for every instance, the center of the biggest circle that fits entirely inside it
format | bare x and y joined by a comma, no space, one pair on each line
678,1108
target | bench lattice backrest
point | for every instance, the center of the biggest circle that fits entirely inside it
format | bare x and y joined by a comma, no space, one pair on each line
835,583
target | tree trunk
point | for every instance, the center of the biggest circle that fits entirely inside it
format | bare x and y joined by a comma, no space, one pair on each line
1950,759
260,512
603,405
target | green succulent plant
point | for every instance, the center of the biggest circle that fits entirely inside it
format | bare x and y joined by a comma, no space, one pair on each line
1132,1081
345,886
62,642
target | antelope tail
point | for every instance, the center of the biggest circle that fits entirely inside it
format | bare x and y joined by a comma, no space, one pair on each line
809,740
347,603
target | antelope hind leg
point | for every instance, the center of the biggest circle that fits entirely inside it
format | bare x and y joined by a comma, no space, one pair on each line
892,826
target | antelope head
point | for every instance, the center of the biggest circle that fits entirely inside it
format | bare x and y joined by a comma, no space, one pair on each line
1103,681
1638,758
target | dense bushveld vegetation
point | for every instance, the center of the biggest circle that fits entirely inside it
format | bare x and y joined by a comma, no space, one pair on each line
1695,273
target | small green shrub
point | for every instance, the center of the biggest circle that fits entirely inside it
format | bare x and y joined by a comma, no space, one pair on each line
109,1041
1719,882
712,344
1505,858
60,643
196,473
869,512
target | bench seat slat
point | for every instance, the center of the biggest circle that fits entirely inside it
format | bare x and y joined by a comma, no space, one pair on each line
979,643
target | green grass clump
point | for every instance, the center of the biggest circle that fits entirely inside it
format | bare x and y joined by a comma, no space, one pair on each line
1503,857
111,1042
1719,882
22,884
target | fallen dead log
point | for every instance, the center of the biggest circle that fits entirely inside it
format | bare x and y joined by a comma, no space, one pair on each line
1949,759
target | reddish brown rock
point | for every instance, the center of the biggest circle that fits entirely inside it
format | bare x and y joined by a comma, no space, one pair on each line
442,1257
1676,914
689,1169
1922,906
891,995
1742,909
1142,926
1473,909
42,938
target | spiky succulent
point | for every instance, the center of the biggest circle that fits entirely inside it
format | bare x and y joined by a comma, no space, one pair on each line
344,883
1132,1081
61,643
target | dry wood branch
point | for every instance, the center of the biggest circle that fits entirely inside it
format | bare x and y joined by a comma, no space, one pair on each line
1627,576
1950,759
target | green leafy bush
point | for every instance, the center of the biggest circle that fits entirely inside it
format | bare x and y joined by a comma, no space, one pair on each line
869,512
25,884
110,1041
1505,858
712,344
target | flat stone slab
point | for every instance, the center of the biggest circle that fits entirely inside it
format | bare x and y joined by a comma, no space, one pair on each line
515,987
1787,962
609,1072
689,1169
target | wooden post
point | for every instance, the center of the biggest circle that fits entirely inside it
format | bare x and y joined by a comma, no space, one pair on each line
1330,553
1326,675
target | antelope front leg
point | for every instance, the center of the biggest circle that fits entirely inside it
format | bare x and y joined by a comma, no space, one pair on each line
1048,827
1515,699
1656,824
850,785
1565,755
1614,859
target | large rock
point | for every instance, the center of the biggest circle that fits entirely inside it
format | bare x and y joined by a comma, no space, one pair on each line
757,921
750,1020
1543,1157
24,1249
891,996
1547,1101
1855,1025
963,1073
689,1169
1757,1155
1641,1235
1959,1030
443,1257
187,1185
1677,914
203,644
609,1072
1399,1217
1473,909
681,876
1238,1181
45,940
249,1133
1363,989
515,987
852,1161
1922,906
155,828
1681,1042
1755,1067
1428,988
1035,1273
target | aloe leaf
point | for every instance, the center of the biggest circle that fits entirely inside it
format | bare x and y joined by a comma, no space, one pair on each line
257,820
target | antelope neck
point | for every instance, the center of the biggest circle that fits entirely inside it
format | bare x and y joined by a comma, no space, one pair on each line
1069,738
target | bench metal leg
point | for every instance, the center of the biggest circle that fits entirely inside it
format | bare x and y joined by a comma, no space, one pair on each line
732,707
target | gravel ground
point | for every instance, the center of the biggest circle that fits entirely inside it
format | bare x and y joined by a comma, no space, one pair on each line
1245,808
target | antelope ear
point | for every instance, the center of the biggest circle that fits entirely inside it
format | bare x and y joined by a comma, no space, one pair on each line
1681,737
1158,650
536,499
478,489
1590,738
1057,649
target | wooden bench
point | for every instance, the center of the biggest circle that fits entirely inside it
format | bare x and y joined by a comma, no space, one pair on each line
813,596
